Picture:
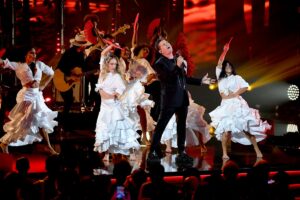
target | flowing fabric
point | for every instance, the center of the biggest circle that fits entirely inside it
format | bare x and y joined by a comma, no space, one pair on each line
115,131
195,125
30,113
27,117
234,115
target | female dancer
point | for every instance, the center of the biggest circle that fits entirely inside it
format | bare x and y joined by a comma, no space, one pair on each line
233,118
142,55
30,119
197,129
114,131
135,97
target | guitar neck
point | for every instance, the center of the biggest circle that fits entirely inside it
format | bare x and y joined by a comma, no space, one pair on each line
114,34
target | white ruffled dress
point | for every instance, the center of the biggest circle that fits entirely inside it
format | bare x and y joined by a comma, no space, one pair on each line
195,124
30,113
234,114
134,96
115,131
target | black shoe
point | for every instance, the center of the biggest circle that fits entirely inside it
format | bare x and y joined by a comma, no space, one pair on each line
183,160
153,157
159,153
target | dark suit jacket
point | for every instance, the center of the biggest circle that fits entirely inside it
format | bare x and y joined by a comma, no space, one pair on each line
173,81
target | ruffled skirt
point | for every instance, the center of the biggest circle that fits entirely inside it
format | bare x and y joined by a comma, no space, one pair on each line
115,132
170,131
27,117
135,96
235,116
195,125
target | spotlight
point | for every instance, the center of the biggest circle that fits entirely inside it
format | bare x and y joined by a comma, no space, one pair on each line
249,88
293,92
212,86
291,128
211,130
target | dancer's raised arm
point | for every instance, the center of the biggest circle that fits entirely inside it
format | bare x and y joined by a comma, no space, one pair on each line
225,50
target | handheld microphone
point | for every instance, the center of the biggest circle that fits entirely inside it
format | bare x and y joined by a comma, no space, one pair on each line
183,65
177,54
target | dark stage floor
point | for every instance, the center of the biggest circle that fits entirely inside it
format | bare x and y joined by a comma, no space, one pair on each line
79,143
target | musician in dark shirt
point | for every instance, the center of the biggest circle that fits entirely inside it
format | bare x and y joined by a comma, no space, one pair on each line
72,64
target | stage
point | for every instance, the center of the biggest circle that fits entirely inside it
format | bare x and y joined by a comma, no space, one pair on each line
78,145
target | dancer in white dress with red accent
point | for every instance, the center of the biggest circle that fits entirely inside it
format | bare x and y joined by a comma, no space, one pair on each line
114,130
135,96
233,119
197,129
30,119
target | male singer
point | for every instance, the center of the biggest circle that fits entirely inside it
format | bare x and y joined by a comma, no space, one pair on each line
174,98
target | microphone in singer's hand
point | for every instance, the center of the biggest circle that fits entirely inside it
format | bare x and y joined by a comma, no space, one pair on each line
177,55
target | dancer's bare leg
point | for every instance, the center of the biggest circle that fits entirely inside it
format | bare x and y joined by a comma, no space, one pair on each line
254,143
144,138
106,156
143,121
46,137
169,146
201,143
225,138
132,155
4,147
150,136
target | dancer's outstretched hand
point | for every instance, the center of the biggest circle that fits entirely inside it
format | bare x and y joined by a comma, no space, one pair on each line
207,80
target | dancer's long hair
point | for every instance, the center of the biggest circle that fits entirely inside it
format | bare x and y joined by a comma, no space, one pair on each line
105,70
223,72
138,48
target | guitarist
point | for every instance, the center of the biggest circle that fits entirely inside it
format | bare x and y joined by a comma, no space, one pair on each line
72,64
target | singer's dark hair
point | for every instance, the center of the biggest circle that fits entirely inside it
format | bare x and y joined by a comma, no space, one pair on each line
159,39
223,72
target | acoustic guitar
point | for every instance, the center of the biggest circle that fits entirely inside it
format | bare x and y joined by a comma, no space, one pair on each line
64,83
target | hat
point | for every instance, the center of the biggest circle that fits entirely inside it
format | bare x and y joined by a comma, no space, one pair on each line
80,41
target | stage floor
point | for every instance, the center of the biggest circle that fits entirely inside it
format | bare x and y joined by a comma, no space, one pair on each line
79,144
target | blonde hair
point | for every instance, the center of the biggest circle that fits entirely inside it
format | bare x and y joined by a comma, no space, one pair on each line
105,69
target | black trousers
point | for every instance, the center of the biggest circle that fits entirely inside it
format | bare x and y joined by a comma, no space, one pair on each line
68,102
92,98
164,117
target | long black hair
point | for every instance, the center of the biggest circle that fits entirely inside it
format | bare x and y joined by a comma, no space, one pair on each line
18,53
138,48
223,72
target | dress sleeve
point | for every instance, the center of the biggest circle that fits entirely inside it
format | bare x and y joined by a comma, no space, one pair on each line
10,65
101,63
218,72
241,82
119,84
46,69
147,65
98,84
